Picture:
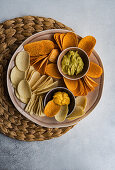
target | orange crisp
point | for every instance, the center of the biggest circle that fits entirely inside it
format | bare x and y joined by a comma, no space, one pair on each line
70,40
37,48
61,38
57,39
71,84
87,44
91,81
51,109
42,66
95,71
76,92
88,84
34,60
81,87
52,70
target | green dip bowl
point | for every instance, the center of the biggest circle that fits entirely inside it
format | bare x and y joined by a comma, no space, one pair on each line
84,57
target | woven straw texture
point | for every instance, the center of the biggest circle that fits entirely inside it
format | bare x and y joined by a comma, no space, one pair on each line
12,33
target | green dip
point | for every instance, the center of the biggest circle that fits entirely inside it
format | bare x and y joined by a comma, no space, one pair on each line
72,63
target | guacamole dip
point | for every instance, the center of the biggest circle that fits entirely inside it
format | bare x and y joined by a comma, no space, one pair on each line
72,63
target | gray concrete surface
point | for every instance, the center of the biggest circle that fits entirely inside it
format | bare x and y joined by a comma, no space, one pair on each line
91,144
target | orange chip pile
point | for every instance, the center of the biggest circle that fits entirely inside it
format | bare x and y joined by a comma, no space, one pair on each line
40,53
45,51
65,40
82,86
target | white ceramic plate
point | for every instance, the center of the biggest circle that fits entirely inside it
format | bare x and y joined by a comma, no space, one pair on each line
92,97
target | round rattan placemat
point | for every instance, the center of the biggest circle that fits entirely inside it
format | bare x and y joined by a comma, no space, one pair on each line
12,33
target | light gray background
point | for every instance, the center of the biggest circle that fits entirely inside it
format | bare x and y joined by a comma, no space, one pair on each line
91,144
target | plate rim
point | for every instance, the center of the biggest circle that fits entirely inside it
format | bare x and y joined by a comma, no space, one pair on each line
67,124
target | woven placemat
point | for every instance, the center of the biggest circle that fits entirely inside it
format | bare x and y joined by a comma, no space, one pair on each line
12,33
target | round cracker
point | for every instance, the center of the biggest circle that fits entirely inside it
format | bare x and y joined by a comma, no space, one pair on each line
16,76
78,112
24,100
22,60
23,89
61,115
81,101
16,93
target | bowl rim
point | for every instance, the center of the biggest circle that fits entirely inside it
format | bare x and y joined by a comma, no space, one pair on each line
59,88
67,49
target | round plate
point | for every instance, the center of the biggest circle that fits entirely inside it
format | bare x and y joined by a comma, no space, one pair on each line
92,97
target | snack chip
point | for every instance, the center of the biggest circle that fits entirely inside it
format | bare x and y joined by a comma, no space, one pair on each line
81,87
35,106
33,59
28,72
87,44
51,109
16,76
76,92
70,40
23,89
57,39
31,74
53,55
41,113
39,82
43,65
71,84
86,88
91,81
88,84
44,84
61,38
81,101
16,93
30,103
61,115
22,60
42,47
37,59
77,113
52,70
46,89
33,79
95,71
24,100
